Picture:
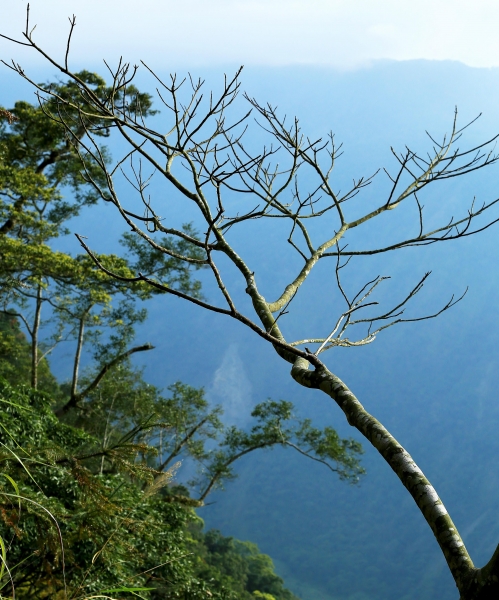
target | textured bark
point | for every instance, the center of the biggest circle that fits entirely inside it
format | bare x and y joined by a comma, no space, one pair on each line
483,584
472,583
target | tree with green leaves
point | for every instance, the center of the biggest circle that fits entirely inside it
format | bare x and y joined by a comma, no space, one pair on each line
118,407
200,153
184,427
52,290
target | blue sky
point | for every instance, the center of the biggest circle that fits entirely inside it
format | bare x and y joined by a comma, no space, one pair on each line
341,33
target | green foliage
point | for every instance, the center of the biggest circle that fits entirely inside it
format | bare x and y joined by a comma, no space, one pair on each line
103,473
182,426
60,297
15,357
120,528
277,426
241,567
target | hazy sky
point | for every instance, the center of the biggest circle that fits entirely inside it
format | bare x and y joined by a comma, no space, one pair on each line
340,33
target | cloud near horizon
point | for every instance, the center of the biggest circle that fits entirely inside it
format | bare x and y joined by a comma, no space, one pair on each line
344,35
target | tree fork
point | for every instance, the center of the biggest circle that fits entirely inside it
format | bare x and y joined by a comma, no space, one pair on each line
483,584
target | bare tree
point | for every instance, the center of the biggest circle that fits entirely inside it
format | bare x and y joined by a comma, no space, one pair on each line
201,155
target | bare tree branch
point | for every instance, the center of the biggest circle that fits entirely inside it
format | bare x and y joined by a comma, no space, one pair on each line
77,397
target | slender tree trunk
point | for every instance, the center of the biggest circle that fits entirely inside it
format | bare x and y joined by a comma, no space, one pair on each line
472,583
79,346
34,338
105,438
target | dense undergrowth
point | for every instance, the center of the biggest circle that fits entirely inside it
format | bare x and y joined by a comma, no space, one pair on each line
73,530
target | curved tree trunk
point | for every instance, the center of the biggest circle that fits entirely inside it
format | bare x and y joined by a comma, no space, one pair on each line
472,583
